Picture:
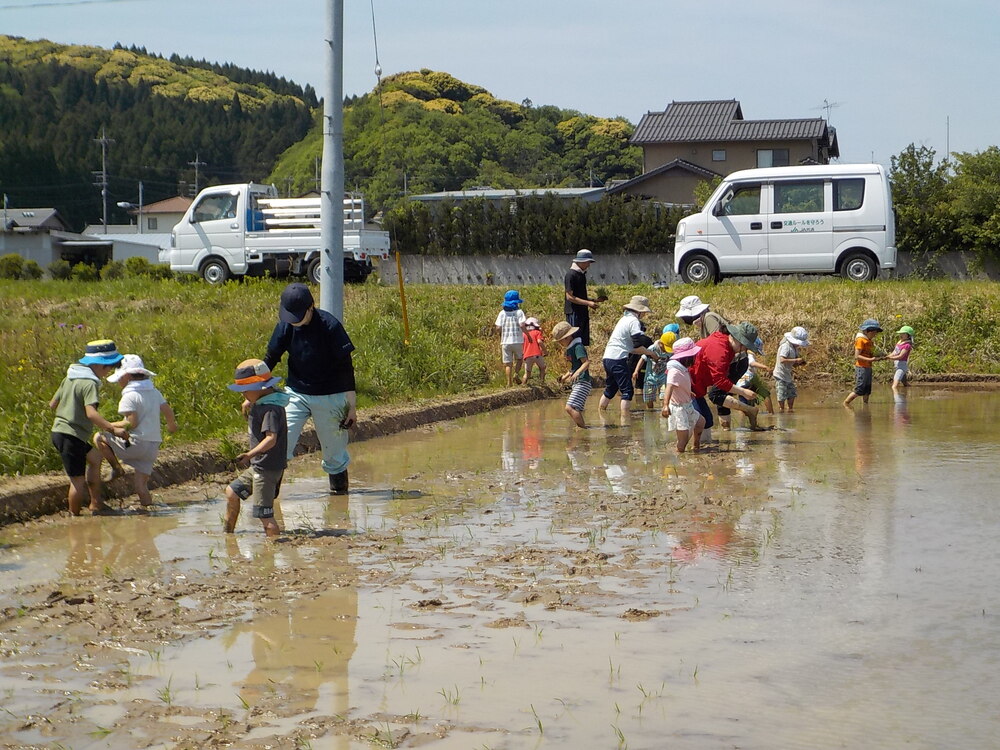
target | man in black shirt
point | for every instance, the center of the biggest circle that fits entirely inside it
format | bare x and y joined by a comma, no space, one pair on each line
577,305
320,380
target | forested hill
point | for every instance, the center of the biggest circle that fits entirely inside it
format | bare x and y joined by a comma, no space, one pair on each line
427,131
417,132
161,114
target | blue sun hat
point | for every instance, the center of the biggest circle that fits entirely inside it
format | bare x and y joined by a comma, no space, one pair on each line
102,352
512,300
671,328
870,325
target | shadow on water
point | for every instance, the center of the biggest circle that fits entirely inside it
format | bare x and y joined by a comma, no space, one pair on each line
506,580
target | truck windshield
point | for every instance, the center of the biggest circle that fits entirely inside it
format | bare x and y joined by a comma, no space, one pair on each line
214,207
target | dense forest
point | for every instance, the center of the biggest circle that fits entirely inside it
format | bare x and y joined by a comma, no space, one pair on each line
427,131
55,101
416,132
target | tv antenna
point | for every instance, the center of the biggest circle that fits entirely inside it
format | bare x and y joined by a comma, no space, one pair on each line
827,106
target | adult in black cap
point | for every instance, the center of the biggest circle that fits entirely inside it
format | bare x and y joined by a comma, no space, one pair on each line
320,381
577,305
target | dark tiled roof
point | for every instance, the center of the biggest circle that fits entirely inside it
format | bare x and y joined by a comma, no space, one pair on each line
689,122
687,166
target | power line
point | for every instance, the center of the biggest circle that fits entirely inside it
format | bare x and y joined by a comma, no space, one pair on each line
62,3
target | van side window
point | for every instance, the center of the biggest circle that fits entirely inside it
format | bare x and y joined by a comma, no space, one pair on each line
213,207
849,194
746,201
798,197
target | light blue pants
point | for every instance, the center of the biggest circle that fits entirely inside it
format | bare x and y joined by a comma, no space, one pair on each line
326,412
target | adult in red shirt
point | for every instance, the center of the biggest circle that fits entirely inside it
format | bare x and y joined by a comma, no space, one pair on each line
710,372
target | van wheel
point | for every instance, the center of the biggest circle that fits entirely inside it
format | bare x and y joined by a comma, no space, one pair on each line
314,271
215,272
858,267
699,269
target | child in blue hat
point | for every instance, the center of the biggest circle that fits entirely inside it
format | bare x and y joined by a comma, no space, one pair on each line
75,404
511,324
864,356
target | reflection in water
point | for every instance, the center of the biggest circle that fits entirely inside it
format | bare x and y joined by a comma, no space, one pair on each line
106,545
299,644
863,448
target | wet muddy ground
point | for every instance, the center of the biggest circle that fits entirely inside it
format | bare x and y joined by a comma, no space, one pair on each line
507,581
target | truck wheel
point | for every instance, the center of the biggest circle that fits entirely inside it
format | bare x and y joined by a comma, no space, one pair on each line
314,270
215,271
699,268
858,267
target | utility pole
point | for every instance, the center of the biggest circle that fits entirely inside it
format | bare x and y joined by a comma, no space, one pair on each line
102,176
140,206
196,164
332,192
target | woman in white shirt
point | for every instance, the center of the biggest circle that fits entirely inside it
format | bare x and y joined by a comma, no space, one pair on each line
621,343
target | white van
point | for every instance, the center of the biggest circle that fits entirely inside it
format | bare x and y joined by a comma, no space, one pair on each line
830,218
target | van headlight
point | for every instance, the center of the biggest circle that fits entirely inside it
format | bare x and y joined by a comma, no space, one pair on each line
681,228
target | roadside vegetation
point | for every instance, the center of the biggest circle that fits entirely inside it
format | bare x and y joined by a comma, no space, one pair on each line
192,335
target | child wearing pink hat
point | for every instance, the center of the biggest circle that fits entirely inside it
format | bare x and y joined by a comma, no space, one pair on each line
678,400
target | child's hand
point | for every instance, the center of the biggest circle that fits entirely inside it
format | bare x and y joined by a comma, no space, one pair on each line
243,460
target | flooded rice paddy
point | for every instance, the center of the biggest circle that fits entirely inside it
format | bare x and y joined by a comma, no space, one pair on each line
507,581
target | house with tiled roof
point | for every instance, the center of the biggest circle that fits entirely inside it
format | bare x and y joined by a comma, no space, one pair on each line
689,142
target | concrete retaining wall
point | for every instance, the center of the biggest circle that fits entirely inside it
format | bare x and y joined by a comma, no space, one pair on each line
619,269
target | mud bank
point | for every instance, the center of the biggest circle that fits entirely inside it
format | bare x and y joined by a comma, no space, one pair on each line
24,498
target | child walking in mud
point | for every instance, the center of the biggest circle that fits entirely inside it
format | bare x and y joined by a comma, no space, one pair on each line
789,357
75,404
655,376
678,400
901,358
864,356
267,458
579,370
141,405
510,322
533,350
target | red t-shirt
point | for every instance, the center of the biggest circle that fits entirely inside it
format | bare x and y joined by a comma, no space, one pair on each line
532,343
711,365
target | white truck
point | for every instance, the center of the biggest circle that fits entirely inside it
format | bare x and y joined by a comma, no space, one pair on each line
831,218
237,230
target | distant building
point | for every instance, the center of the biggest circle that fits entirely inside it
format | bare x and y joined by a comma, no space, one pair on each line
38,234
162,215
689,142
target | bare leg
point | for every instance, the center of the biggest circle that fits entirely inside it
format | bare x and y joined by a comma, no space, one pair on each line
750,411
140,483
509,370
93,478
791,404
270,527
108,454
541,372
576,416
232,511
603,403
699,427
850,397
77,494
682,440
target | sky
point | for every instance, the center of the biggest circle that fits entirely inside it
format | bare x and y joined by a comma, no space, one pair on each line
893,72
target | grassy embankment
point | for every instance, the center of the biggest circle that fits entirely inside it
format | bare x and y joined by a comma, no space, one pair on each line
192,335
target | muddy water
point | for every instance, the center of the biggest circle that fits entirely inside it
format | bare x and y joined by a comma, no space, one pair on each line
506,581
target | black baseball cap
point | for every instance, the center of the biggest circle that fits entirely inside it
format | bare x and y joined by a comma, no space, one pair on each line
296,300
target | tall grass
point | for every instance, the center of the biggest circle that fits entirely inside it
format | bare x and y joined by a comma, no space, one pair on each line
192,335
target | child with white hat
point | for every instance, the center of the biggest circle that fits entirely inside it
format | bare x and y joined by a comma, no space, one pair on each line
789,357
141,405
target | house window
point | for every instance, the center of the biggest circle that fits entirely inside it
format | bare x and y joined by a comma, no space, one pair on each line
151,222
798,197
718,154
772,157
848,195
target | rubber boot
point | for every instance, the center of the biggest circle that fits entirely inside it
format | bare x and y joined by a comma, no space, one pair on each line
338,483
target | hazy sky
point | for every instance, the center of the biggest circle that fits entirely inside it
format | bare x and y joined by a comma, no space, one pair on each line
897,70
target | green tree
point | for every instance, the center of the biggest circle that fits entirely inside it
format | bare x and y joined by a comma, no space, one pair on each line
975,201
920,192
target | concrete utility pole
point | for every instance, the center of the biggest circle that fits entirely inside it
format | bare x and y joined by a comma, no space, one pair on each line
102,176
196,164
332,192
